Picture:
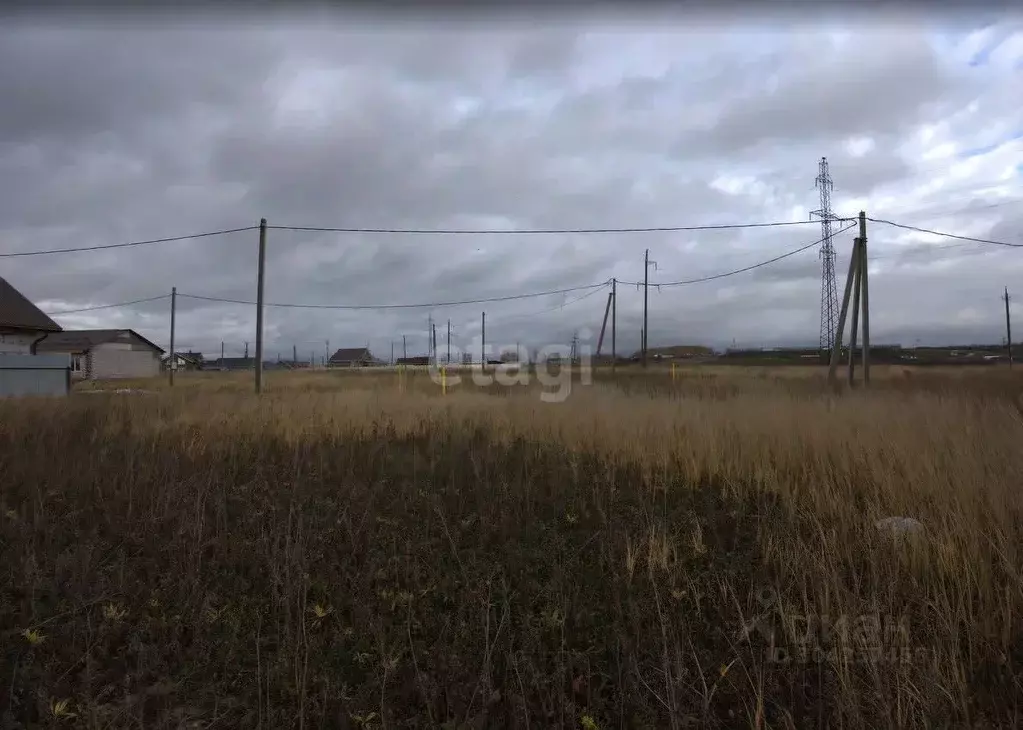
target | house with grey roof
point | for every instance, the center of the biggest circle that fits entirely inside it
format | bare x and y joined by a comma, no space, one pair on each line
232,363
352,357
22,324
106,354
22,370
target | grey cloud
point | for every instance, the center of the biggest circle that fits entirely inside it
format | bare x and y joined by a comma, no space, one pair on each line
136,132
847,92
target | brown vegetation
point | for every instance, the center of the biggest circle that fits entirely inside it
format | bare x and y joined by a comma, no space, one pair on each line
338,553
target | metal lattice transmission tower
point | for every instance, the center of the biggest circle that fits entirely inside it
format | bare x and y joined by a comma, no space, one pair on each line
829,292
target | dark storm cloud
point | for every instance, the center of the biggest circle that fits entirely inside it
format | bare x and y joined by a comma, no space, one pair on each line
138,131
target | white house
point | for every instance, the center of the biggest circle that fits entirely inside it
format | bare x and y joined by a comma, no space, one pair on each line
106,354
22,324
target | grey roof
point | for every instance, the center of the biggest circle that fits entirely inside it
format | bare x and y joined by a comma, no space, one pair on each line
193,357
351,354
83,340
247,362
19,313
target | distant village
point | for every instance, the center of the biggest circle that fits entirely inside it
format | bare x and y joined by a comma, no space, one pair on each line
38,356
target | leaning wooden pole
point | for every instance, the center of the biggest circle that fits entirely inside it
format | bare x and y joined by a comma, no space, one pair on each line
614,323
865,295
836,348
603,325
855,319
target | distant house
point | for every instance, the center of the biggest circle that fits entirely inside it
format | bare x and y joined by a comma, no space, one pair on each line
352,357
22,324
185,361
417,360
233,363
105,354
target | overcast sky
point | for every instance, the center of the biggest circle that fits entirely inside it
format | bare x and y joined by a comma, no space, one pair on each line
141,128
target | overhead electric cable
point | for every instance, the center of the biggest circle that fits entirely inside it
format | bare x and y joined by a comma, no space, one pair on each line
128,244
396,306
945,235
109,306
543,231
743,269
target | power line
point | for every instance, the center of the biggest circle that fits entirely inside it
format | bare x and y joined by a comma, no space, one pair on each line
946,235
930,249
108,306
398,306
745,268
129,243
941,210
535,231
543,231
569,303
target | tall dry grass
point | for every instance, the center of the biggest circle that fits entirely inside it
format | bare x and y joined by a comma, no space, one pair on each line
649,553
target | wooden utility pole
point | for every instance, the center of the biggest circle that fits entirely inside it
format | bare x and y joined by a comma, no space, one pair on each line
221,352
246,350
646,290
857,278
294,354
483,343
614,323
392,352
436,356
603,324
865,296
836,348
1008,328
404,348
260,278
173,361
647,263
448,359
856,284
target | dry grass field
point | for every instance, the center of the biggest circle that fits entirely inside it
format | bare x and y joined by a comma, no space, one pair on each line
696,552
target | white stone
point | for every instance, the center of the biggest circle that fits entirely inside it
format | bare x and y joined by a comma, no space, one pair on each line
899,525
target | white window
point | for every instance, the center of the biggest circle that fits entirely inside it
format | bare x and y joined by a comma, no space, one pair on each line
76,363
